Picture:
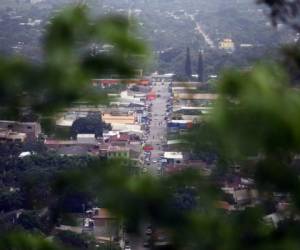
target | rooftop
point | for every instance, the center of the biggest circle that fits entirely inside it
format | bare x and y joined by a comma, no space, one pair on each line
173,155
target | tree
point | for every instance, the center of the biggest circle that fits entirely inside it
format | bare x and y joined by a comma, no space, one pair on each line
188,64
200,67
92,124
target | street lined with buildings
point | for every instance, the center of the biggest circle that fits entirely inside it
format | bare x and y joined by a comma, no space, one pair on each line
141,123
157,135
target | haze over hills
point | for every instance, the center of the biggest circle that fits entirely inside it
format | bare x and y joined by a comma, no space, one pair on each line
168,26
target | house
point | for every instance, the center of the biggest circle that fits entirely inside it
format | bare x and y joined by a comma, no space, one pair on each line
72,147
110,82
31,129
118,152
196,96
9,136
86,138
105,225
118,119
227,44
174,158
98,222
121,139
245,196
114,152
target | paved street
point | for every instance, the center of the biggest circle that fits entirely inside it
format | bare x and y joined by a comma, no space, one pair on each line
156,138
158,126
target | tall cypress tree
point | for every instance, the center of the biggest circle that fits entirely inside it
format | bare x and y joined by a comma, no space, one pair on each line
188,64
200,67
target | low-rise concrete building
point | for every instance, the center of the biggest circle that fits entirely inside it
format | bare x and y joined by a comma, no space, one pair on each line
31,129
118,119
112,152
9,136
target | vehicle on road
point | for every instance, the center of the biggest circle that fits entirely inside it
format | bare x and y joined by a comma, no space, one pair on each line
127,247
149,230
146,244
148,147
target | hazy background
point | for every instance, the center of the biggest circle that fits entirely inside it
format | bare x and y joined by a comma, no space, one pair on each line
169,26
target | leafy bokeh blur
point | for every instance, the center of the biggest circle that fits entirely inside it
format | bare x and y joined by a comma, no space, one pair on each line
257,116
69,64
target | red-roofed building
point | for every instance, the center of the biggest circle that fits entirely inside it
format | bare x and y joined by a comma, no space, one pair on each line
224,205
110,82
148,148
119,140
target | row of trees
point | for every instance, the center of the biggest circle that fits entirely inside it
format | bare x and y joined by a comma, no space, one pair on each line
188,66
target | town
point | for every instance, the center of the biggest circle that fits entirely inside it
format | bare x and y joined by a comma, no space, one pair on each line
145,121
149,124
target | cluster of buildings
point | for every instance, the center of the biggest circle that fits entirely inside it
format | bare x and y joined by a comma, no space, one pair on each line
109,131
113,130
119,129
19,132
188,105
124,120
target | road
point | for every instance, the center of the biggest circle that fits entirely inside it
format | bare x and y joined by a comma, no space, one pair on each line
156,138
158,125
206,37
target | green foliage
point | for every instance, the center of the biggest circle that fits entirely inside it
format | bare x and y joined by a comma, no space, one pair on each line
92,124
67,68
188,64
25,241
74,240
283,11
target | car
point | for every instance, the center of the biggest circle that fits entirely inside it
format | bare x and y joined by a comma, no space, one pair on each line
146,244
148,230
127,247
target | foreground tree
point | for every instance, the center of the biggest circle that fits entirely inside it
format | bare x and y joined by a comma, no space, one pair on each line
256,115
188,64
